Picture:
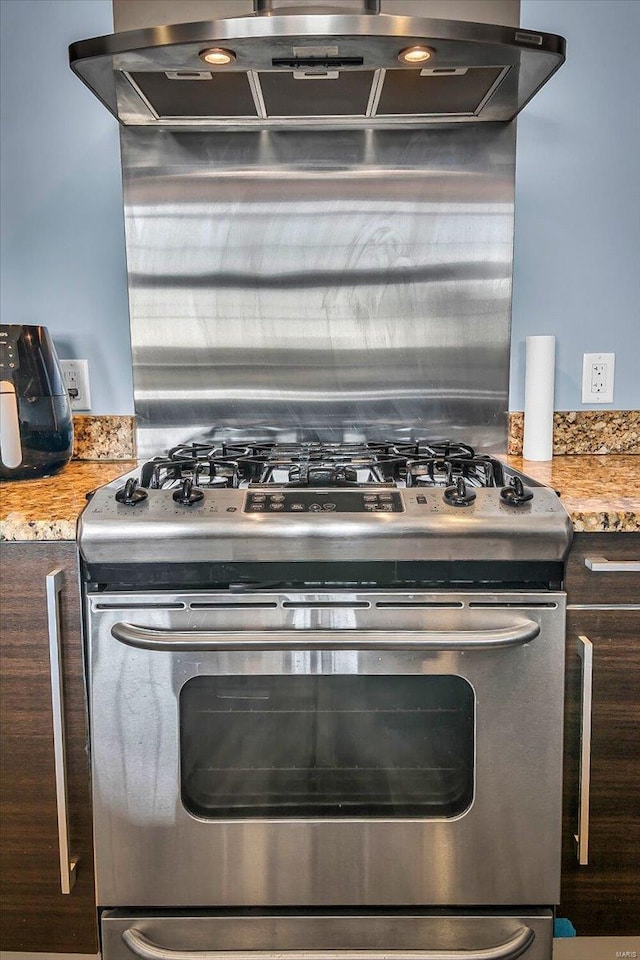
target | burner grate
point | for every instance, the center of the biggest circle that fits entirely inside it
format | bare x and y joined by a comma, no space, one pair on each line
424,463
477,471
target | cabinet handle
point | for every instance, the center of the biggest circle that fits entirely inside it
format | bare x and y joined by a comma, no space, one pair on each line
585,652
67,863
601,565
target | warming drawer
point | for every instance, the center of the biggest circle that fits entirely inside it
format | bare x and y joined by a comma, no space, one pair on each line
392,935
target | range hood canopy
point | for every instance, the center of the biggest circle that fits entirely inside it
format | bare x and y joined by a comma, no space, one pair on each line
316,67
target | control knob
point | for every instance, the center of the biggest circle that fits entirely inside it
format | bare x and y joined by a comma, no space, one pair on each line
187,495
516,493
131,493
458,495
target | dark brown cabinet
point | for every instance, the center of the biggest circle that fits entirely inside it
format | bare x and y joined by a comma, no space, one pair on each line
601,896
35,915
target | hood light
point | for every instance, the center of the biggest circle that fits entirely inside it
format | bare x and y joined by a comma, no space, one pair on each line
218,56
415,54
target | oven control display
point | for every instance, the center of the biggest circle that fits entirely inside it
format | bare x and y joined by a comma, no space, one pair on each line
323,501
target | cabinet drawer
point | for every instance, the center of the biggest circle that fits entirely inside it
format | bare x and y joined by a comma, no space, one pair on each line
600,586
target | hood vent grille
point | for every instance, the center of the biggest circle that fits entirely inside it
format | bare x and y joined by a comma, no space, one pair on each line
317,69
227,95
364,94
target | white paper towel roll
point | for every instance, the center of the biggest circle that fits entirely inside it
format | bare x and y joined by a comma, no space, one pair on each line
538,398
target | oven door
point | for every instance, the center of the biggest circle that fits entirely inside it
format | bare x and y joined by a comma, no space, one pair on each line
281,750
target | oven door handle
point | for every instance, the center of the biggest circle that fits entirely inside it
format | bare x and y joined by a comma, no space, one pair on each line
150,638
511,949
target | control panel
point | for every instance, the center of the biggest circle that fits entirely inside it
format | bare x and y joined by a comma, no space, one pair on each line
8,352
323,501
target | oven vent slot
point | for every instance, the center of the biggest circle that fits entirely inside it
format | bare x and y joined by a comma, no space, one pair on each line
222,605
326,605
418,604
522,605
141,606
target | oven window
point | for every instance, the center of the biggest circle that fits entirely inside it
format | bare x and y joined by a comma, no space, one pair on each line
327,746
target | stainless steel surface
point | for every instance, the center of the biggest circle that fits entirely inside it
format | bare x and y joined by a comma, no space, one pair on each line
505,848
304,286
585,652
329,281
601,565
216,528
141,946
137,14
68,864
397,935
427,503
128,71
146,638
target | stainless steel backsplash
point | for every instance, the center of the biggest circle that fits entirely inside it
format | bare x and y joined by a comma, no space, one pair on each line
321,285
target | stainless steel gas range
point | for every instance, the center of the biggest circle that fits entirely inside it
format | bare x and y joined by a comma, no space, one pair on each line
325,657
326,689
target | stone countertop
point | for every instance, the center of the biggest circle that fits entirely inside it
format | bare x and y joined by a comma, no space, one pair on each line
601,493
47,508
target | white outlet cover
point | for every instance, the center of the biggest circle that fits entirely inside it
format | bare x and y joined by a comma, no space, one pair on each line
607,362
75,374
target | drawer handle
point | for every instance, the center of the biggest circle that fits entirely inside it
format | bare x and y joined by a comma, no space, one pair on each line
585,652
601,565
68,865
518,944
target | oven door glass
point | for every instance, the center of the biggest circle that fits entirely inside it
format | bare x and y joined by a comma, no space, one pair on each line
327,746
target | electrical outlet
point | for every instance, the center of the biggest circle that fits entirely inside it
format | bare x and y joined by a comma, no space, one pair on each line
597,377
75,374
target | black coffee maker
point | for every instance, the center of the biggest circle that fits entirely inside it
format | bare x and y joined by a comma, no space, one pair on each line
36,428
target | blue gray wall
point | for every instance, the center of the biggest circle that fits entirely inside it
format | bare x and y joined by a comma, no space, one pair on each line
62,242
577,234
577,198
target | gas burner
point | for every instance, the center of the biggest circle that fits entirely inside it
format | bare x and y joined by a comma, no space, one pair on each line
337,468
476,470
322,474
171,471
421,463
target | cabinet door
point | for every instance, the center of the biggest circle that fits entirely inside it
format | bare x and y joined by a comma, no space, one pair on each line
601,898
34,913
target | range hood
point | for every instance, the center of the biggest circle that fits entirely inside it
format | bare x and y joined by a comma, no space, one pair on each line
315,66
